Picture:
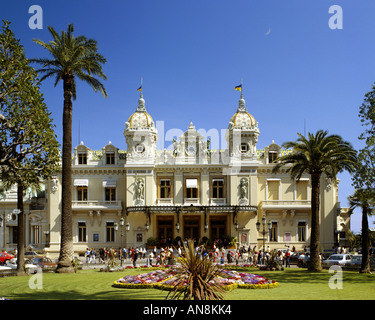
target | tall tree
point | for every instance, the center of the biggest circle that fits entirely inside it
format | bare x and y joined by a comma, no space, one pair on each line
28,145
364,176
72,58
318,154
365,200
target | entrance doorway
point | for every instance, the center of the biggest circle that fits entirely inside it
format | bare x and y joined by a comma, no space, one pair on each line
218,227
192,228
165,230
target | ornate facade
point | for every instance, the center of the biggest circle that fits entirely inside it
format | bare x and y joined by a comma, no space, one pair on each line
189,191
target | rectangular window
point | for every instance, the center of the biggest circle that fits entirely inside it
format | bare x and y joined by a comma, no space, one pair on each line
301,190
218,188
110,231
302,231
35,234
110,194
274,232
82,158
82,231
272,156
191,188
165,188
13,234
82,193
110,157
273,190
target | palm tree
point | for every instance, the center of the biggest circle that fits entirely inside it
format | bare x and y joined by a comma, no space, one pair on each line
196,279
365,200
72,57
318,155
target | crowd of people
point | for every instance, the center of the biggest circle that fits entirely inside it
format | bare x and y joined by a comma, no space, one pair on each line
166,255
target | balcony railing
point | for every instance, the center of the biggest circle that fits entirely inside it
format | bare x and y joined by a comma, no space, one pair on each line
96,204
191,201
218,201
165,202
287,203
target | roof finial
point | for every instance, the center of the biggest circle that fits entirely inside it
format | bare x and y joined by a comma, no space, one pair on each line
141,101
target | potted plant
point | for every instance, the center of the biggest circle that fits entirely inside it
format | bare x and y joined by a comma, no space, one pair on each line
152,242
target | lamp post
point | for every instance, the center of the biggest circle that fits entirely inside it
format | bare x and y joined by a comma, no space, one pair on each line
127,228
264,232
122,250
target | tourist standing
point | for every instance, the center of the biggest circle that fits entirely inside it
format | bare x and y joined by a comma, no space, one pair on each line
87,255
287,258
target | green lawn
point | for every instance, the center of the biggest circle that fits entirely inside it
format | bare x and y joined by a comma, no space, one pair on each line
91,285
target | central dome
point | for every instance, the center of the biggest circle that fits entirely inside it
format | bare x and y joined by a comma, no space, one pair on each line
242,118
140,119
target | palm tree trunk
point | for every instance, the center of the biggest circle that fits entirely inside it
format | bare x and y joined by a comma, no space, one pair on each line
314,262
365,266
20,232
66,246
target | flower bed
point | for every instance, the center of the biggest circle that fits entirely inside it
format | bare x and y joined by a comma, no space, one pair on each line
165,280
145,267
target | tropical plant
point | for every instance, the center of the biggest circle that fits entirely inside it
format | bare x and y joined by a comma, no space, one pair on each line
319,155
72,57
28,147
196,280
365,200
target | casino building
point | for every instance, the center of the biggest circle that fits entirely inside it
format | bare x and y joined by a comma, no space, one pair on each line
142,195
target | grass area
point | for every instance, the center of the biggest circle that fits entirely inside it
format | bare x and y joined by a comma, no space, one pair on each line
295,284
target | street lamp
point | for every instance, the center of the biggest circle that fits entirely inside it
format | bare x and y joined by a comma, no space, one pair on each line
127,228
122,249
264,232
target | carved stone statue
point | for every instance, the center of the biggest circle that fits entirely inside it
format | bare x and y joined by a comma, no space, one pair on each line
244,201
243,188
140,189
176,148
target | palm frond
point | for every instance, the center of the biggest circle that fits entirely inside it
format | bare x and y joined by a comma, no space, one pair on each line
72,57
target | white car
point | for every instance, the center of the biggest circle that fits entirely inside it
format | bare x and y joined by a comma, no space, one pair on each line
337,259
31,268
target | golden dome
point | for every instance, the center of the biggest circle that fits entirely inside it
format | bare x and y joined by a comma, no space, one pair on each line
140,119
242,118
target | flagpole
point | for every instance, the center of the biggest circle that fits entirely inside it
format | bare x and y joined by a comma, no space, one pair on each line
241,89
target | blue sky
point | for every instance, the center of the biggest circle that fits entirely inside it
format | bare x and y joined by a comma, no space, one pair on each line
296,70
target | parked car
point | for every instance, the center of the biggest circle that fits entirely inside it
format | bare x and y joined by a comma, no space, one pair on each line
32,268
45,263
356,262
4,267
294,257
4,257
337,259
31,254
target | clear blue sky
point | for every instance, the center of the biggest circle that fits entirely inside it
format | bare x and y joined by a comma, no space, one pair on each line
192,53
